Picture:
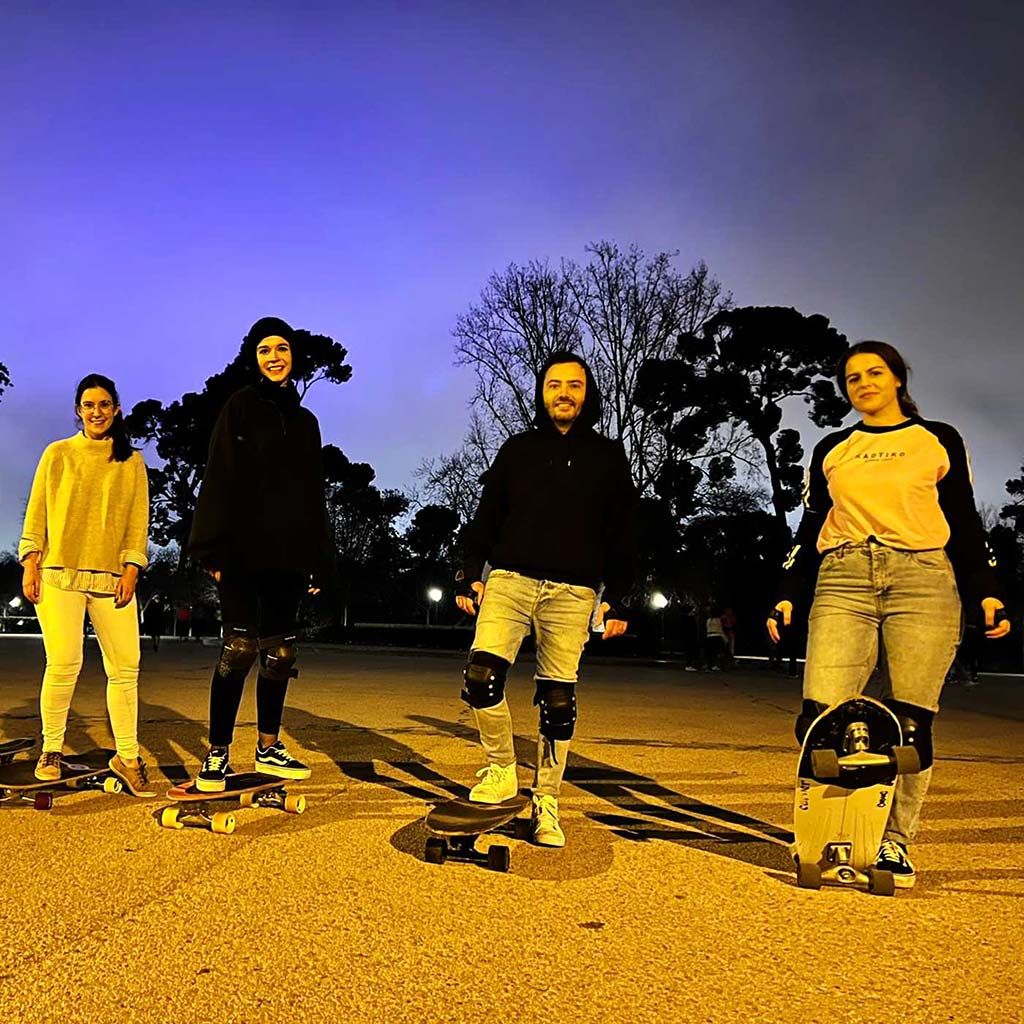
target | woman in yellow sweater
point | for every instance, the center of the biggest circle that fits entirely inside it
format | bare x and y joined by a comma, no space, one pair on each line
892,533
83,544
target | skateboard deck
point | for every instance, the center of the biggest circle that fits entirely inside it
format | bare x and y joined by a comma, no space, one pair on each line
849,763
250,789
18,780
457,824
8,749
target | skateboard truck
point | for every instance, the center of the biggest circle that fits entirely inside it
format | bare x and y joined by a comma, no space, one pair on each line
827,764
197,811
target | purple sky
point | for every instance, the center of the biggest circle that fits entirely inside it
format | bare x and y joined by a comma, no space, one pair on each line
168,174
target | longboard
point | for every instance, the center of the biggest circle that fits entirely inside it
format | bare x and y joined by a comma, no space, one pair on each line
18,780
849,762
250,789
457,825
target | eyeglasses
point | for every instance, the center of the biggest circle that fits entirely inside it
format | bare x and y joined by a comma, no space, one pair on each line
103,406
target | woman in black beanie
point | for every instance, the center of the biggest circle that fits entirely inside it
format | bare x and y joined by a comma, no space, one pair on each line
260,529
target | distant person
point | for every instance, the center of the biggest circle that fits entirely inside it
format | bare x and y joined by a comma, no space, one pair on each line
729,628
715,642
184,621
260,530
82,547
153,620
555,521
889,511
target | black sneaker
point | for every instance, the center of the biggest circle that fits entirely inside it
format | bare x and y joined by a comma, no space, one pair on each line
892,856
275,760
211,776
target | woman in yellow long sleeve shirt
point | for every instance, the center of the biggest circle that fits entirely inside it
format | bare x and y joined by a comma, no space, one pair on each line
82,547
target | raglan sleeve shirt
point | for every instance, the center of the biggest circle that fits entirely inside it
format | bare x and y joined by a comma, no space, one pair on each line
802,561
906,486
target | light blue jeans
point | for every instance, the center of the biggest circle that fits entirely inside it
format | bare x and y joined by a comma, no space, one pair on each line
559,614
908,599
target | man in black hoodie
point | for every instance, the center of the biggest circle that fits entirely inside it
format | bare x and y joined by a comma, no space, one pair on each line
555,523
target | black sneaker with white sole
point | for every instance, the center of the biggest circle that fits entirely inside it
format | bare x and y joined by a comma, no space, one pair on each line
275,760
892,856
211,776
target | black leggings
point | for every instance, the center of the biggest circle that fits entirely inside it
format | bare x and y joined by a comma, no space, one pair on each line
268,603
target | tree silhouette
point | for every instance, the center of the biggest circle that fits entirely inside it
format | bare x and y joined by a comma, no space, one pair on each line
618,310
370,554
181,430
740,367
5,379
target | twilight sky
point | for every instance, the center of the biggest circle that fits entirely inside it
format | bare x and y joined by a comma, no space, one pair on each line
169,173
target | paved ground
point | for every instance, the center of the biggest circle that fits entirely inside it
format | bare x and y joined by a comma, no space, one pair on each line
674,900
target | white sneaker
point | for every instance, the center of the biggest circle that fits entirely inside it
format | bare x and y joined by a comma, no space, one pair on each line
499,784
546,830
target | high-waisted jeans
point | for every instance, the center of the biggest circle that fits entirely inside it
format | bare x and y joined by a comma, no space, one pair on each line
908,599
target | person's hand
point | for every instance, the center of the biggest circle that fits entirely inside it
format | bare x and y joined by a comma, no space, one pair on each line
125,589
993,630
612,627
786,610
470,604
32,579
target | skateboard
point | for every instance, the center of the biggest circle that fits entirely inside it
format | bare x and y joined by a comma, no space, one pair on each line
9,748
250,789
457,824
18,780
846,777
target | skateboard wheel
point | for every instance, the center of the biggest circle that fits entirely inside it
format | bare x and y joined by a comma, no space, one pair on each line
246,799
881,883
499,858
294,804
436,851
112,785
169,818
42,801
523,829
223,824
825,764
808,876
907,760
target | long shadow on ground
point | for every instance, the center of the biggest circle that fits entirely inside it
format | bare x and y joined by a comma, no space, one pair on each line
686,820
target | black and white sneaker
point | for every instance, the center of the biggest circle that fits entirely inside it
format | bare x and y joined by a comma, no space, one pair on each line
275,760
211,776
892,856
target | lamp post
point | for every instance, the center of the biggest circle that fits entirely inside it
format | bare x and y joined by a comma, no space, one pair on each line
659,602
434,594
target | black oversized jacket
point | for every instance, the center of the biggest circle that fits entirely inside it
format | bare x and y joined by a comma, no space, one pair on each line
557,507
261,504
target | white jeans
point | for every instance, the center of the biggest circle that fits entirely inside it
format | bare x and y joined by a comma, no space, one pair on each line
61,616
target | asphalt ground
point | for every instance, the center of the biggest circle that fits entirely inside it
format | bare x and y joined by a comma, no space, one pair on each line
674,899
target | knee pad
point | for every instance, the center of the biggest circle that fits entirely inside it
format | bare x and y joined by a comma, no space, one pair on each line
808,713
916,724
557,702
277,658
239,650
485,677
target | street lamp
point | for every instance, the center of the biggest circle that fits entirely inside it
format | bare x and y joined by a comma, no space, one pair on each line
659,602
435,594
